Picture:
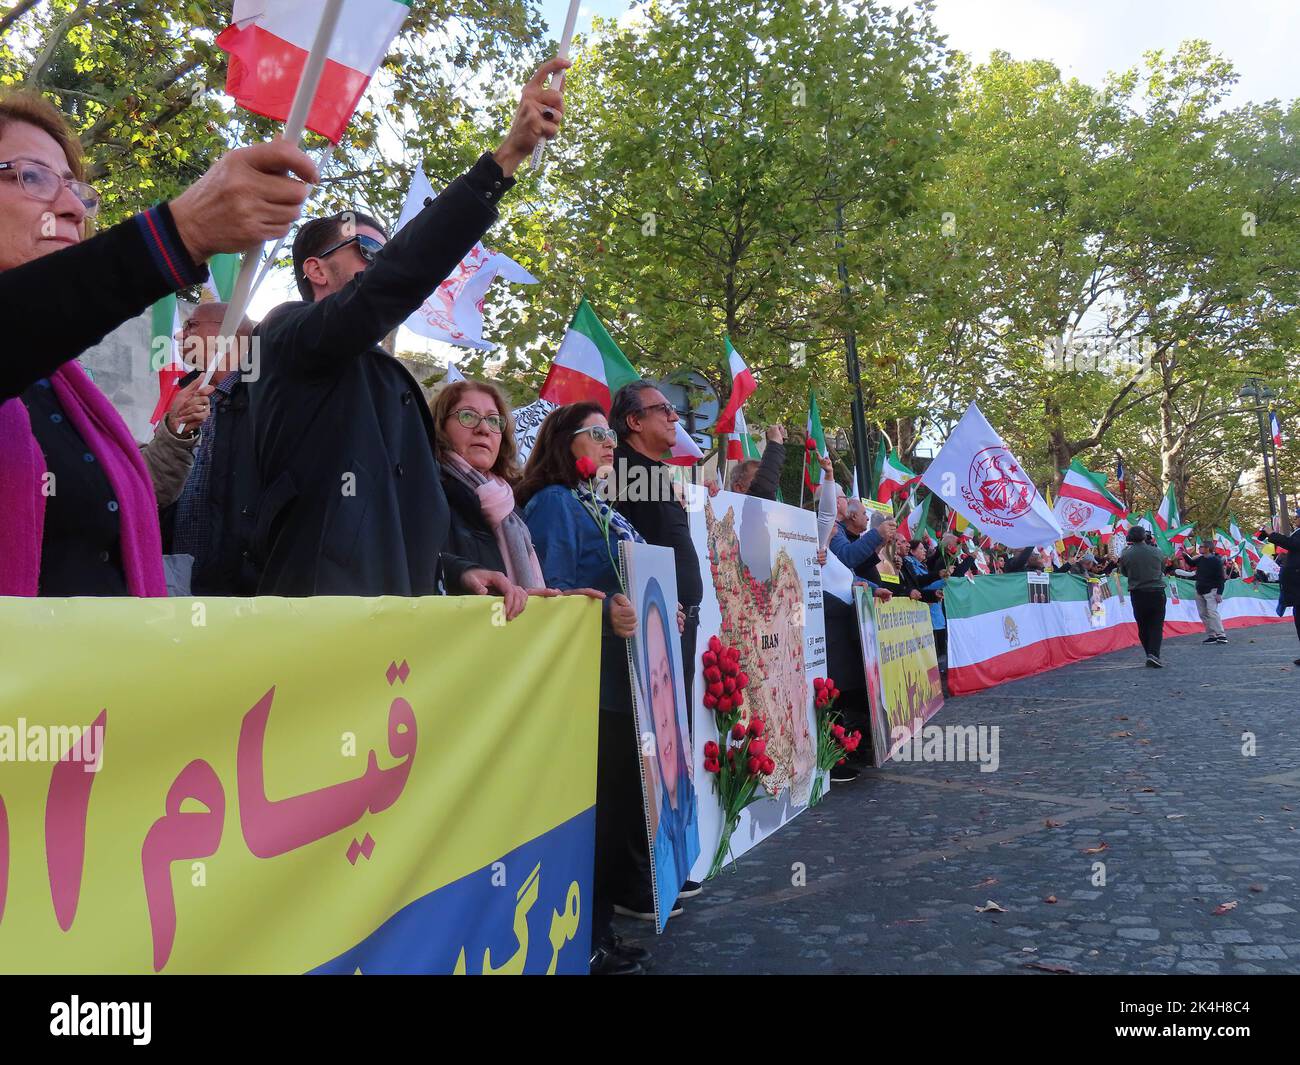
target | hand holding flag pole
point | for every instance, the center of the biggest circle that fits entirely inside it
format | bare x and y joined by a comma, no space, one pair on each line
557,82
293,129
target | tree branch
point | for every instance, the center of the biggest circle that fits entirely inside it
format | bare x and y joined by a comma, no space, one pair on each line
16,12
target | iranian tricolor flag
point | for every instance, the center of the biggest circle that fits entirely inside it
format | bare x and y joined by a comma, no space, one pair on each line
1234,530
891,476
269,41
589,365
740,445
1082,484
914,523
742,387
166,317
812,470
1181,533
1167,516
1223,543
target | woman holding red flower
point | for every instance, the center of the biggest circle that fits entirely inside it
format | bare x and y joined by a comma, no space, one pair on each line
576,534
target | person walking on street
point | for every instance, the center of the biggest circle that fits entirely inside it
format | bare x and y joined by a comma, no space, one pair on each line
1143,564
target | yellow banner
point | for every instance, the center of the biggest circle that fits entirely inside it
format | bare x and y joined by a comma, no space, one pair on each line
292,785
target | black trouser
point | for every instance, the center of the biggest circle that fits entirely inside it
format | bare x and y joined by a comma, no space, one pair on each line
622,870
688,661
1149,610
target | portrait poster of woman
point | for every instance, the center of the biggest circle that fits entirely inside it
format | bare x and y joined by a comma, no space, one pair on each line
659,698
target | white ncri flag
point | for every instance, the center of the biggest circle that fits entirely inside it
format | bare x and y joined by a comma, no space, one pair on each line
454,312
975,474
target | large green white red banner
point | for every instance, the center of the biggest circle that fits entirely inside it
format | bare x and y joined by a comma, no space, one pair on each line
1001,628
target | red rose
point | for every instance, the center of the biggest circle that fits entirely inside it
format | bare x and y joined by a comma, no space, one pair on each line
712,765
851,742
738,698
715,690
834,693
737,731
819,683
769,766
830,683
731,754
756,726
729,686
710,701
841,761
820,702
810,444
742,680
758,748
725,704
586,468
710,660
754,765
837,731
713,675
710,750
715,645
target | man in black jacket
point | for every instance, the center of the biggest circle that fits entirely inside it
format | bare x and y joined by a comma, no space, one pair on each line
351,501
1289,578
1207,567
212,520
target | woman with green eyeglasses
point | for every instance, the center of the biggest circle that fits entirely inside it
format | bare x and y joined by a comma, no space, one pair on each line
475,445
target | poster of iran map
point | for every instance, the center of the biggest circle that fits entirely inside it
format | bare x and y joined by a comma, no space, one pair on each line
763,596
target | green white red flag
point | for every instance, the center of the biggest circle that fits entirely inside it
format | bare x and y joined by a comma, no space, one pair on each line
891,475
816,442
742,387
269,40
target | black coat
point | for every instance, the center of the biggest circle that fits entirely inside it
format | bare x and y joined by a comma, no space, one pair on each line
661,520
351,496
59,305
470,536
230,567
1289,578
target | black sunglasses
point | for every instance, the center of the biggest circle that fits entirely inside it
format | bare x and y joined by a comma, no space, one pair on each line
367,246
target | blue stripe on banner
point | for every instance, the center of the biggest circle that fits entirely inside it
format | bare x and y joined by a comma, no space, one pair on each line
516,909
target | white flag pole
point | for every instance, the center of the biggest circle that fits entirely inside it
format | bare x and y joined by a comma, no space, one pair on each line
557,82
293,127
321,164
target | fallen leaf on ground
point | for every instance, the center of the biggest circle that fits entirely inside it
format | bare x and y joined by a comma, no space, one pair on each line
1049,967
1119,735
1049,823
1257,888
990,907
1150,791
1103,845
1050,898
1225,907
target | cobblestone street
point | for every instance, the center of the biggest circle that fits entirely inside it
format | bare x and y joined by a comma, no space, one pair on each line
1102,761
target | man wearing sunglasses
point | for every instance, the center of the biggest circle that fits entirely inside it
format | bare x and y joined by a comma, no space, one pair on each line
351,500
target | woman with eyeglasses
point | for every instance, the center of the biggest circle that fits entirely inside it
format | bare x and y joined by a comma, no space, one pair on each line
78,512
568,522
475,446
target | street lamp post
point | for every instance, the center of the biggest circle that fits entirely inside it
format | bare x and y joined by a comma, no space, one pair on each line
1260,395
851,353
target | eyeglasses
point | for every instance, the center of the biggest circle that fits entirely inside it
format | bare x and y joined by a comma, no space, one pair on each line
599,434
41,183
369,247
470,420
667,408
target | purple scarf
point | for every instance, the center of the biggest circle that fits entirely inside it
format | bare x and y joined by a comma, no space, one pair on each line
22,502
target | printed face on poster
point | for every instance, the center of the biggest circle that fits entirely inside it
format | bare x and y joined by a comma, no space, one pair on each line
659,699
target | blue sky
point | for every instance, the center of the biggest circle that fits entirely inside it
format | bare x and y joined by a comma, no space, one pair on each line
1260,37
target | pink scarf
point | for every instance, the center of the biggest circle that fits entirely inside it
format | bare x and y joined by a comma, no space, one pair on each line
22,502
497,502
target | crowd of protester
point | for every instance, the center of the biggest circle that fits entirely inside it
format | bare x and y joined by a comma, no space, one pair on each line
330,474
